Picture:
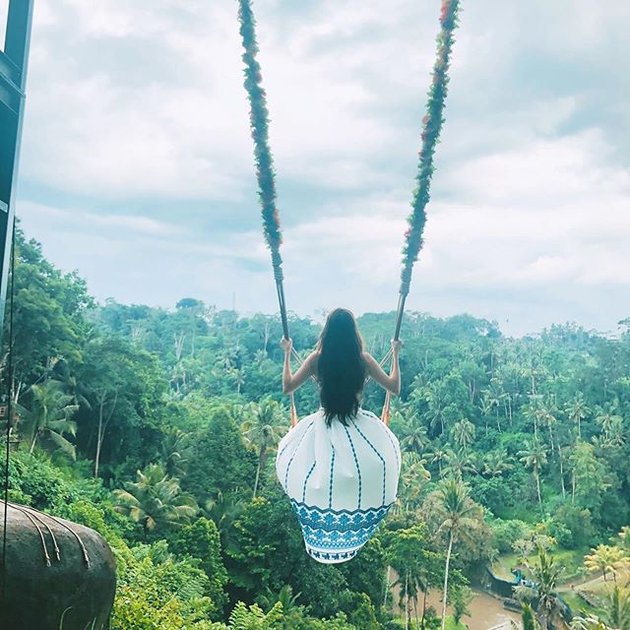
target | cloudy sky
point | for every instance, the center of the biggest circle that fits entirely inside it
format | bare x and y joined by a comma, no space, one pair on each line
137,167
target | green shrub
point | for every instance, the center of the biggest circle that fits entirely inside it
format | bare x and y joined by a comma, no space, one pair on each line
159,592
505,533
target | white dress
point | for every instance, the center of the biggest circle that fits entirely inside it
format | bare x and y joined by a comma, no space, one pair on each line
341,480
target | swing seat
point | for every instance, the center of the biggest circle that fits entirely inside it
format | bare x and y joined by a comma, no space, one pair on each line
341,480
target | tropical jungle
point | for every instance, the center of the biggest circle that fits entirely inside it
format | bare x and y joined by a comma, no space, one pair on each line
158,428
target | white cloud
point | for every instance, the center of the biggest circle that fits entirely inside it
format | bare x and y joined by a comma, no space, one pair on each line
191,139
136,105
131,226
89,132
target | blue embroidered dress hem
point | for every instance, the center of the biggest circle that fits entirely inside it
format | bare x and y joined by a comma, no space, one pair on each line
341,479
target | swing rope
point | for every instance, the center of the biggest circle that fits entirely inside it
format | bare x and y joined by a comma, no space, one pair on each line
265,174
263,158
431,128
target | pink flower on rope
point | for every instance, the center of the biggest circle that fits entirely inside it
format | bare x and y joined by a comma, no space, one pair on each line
446,6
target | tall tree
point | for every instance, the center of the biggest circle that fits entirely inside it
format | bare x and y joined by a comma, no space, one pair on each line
577,411
588,476
463,433
219,460
607,417
534,456
413,480
262,428
546,575
435,396
534,412
457,512
48,315
418,568
438,455
458,463
125,386
495,396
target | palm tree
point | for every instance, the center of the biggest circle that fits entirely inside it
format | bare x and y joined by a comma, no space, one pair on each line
587,623
437,456
457,512
507,376
609,421
71,384
546,575
155,500
224,510
413,437
495,395
238,377
458,463
533,412
290,605
534,456
417,567
175,451
603,558
486,407
413,480
496,463
614,436
616,609
262,430
463,433
548,418
614,612
434,395
547,414
49,418
260,356
576,411
409,583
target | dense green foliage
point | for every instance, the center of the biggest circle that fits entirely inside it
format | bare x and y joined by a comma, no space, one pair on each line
158,428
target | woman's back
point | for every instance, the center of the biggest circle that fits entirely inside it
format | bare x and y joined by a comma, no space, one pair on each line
339,466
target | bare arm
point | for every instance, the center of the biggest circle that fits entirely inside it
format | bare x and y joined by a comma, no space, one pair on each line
290,382
390,382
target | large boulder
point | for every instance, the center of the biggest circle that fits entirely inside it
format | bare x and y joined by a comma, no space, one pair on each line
59,575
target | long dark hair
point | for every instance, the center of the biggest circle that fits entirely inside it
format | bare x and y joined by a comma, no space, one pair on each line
340,366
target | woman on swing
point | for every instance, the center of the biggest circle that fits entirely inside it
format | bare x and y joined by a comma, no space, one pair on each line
340,465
